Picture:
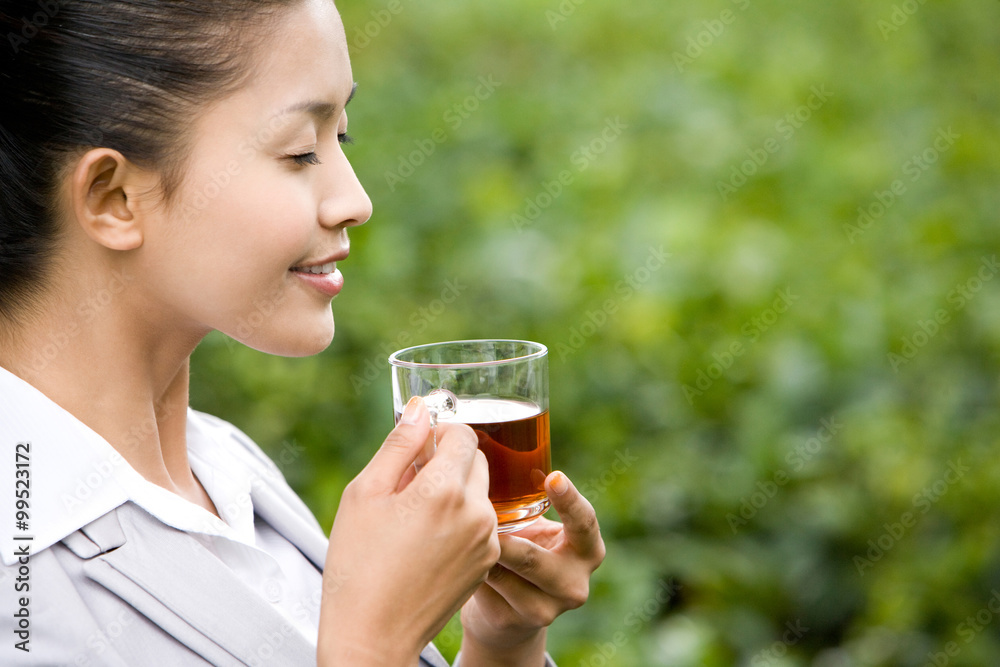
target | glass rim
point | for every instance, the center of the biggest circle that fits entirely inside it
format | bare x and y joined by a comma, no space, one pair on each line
539,352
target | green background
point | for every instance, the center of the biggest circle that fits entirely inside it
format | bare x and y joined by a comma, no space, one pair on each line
759,240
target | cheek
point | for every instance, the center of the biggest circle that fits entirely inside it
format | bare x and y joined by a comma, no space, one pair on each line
237,246
259,223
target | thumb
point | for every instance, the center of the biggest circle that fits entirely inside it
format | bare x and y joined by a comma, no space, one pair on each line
402,446
578,517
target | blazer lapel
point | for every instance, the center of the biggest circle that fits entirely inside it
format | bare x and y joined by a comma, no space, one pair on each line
288,515
171,579
180,586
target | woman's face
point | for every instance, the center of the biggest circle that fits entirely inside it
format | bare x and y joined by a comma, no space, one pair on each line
249,241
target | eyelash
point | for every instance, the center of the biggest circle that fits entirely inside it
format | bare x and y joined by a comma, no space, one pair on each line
310,158
304,159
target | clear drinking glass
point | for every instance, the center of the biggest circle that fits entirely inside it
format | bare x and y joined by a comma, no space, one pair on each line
501,389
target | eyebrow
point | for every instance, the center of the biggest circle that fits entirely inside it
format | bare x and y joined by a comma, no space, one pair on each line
317,108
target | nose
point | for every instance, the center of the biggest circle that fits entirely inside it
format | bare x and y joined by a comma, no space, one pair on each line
344,202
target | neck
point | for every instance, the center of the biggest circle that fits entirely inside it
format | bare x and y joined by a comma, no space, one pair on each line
125,377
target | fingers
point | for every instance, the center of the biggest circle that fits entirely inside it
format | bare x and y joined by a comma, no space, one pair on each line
408,476
536,583
530,562
458,476
401,447
512,601
456,451
544,570
577,515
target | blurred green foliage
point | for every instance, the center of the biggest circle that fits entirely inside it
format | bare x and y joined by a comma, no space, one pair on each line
759,238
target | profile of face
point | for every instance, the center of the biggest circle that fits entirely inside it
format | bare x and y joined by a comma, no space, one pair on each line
248,242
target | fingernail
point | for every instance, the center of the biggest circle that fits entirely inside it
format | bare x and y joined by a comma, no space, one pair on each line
411,413
559,483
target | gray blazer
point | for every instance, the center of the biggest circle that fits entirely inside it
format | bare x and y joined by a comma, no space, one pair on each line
128,591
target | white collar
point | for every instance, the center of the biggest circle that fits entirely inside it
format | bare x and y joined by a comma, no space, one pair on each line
76,476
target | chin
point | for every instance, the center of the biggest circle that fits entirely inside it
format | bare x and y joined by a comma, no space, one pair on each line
301,341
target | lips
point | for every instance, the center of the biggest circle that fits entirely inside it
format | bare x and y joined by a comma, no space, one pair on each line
322,275
329,267
325,264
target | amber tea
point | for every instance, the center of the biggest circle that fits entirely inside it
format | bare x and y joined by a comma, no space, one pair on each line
514,436
499,388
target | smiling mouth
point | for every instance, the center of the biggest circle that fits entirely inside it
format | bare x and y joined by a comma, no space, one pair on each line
319,269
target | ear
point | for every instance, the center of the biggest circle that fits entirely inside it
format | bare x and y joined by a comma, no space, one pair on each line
100,185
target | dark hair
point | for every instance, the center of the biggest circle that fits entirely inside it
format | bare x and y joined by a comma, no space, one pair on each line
123,74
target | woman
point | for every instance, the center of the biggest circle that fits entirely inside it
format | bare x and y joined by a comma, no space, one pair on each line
169,168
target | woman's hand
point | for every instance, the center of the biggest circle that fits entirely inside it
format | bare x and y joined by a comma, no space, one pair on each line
543,571
407,549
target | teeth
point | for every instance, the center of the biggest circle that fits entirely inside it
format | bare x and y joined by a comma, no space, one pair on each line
323,268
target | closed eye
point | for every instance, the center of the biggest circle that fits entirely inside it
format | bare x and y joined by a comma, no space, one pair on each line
304,159
311,158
